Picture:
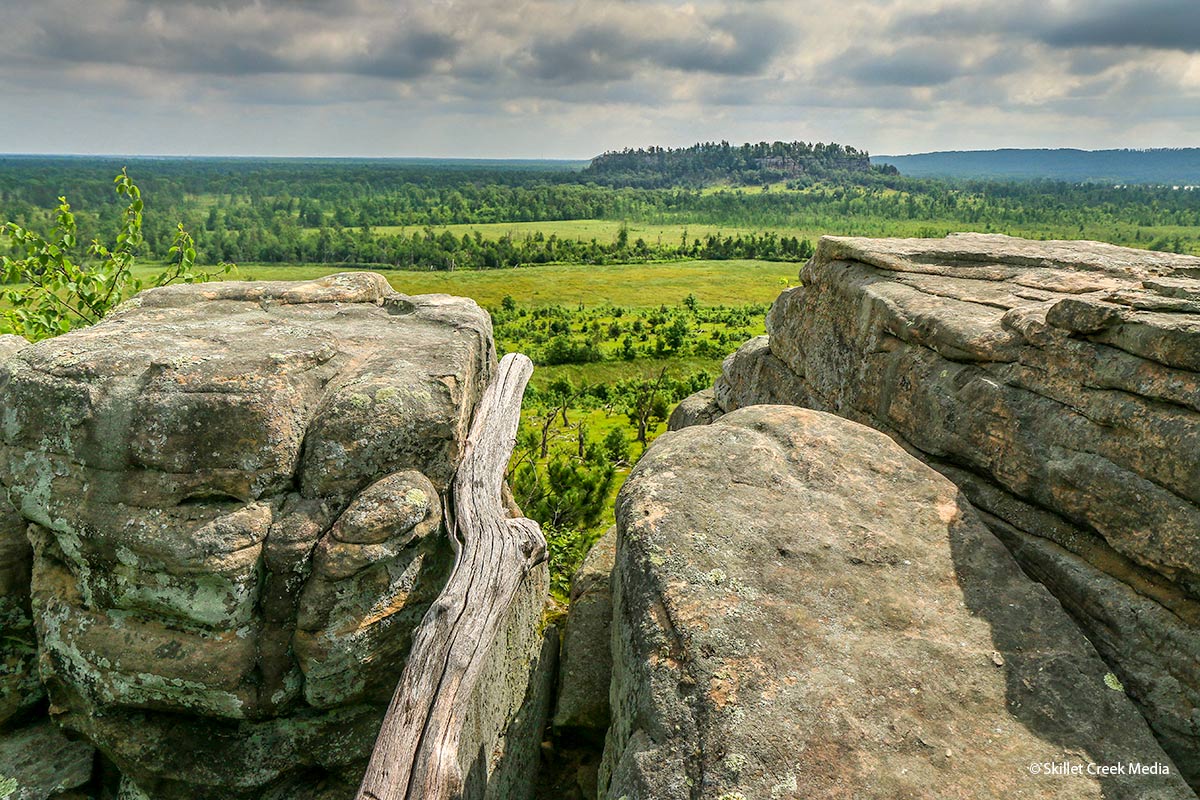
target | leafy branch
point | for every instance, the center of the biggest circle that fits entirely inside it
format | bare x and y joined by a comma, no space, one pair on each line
55,292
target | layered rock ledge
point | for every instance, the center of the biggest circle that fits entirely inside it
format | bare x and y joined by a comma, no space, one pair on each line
1058,384
234,494
803,610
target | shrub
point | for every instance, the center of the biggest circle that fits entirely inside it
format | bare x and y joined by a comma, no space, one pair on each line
56,292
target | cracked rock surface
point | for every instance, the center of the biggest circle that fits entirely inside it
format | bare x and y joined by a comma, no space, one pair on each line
803,610
233,493
1058,384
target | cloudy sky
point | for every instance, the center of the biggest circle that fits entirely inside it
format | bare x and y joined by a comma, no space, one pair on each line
567,79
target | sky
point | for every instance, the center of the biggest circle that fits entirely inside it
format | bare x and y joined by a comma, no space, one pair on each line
561,79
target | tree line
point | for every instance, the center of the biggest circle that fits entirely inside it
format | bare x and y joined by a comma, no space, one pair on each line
721,162
333,212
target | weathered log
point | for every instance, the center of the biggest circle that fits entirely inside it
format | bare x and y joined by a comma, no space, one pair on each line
416,756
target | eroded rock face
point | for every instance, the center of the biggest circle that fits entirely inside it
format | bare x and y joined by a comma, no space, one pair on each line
234,492
803,610
19,685
1058,383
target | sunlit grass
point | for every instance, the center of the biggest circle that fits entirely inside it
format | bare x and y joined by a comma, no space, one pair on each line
730,283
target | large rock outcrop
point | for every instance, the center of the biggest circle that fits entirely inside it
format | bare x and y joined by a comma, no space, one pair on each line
1058,384
803,610
234,493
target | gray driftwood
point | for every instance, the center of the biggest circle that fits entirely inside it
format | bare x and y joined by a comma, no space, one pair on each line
416,756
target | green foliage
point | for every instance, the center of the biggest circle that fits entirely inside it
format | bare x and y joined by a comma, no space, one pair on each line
56,291
616,446
565,492
576,439
567,547
557,335
458,217
568,350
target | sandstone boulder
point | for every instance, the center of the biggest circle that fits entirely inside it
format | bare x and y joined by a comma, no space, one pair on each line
803,610
1058,383
752,375
234,492
698,409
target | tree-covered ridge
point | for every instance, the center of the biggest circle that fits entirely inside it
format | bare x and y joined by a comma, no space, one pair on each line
721,162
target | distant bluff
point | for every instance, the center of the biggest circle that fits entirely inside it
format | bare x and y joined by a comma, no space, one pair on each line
711,163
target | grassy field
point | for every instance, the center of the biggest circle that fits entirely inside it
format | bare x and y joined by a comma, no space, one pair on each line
602,230
813,226
731,283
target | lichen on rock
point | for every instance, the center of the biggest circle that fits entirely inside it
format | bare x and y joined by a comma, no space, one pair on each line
233,493
1058,384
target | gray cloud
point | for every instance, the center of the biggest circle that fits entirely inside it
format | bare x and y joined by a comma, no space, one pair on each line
571,76
1152,24
739,43
237,39
910,65
1160,24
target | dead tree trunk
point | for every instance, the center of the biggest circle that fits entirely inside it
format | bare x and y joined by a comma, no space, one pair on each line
416,756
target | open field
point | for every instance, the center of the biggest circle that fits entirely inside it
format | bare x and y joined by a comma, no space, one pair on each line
602,230
812,225
730,283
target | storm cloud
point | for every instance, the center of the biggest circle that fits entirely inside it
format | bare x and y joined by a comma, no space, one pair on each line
568,78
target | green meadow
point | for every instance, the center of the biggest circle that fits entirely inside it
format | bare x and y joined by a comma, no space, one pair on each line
730,283
602,230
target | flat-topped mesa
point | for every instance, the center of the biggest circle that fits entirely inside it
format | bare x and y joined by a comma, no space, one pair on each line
234,493
1058,383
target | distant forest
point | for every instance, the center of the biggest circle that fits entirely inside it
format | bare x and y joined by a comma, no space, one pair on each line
393,214
1168,167
711,163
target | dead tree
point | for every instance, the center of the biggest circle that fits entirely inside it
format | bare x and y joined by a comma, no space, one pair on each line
416,756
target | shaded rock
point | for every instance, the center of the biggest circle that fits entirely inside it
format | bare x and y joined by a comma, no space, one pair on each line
1058,384
373,575
37,762
514,709
752,375
698,409
19,685
803,610
582,709
234,492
